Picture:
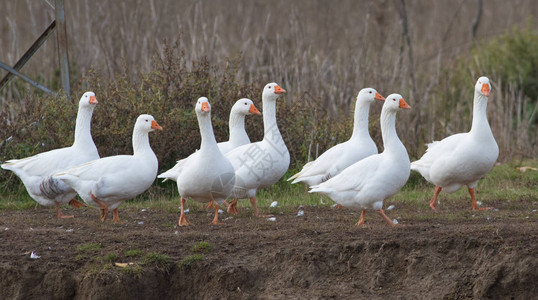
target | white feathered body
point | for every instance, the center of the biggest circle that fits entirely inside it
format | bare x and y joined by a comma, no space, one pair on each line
258,165
36,172
464,158
365,184
206,176
113,179
334,160
458,160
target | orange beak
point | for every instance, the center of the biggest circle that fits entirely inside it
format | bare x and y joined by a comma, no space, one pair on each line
93,100
253,110
485,89
205,106
403,104
379,97
279,90
155,125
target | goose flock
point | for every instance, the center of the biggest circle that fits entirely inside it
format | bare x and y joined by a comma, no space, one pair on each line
352,173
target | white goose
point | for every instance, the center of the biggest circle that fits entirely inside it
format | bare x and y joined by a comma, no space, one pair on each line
238,136
36,171
108,181
464,158
343,155
207,175
365,184
261,164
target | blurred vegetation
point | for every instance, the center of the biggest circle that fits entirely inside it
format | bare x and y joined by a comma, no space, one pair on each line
169,93
169,90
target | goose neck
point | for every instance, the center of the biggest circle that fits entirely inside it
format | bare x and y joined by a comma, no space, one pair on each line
269,118
237,127
360,122
83,136
391,142
480,120
140,142
206,132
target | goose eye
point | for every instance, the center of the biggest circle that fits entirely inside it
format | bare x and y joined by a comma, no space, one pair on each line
370,92
268,87
245,104
393,99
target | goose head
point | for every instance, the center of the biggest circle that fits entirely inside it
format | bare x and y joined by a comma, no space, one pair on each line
395,102
368,95
483,86
88,100
245,107
202,107
146,123
272,91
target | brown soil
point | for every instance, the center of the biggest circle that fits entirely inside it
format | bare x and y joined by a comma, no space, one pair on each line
461,254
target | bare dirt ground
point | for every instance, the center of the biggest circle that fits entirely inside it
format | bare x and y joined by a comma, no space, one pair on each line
455,254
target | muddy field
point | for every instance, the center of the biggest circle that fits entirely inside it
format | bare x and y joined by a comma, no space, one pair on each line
451,255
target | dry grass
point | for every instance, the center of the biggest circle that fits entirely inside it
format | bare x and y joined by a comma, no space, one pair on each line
322,52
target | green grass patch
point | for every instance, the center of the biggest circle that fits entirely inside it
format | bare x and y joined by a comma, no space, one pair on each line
153,258
133,253
81,257
110,257
89,247
201,247
189,260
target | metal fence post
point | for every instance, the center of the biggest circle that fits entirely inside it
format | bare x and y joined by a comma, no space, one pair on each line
62,47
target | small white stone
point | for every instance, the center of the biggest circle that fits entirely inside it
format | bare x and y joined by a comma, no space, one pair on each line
69,230
488,218
186,210
479,202
7,228
534,210
34,256
140,222
272,219
273,204
220,211
391,207
143,209
300,213
395,221
176,232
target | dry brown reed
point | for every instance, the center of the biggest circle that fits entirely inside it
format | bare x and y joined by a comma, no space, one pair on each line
322,52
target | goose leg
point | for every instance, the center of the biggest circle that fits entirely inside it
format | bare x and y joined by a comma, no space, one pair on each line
210,204
256,211
103,207
361,221
59,214
216,218
433,202
182,219
474,205
232,207
387,219
116,218
76,204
